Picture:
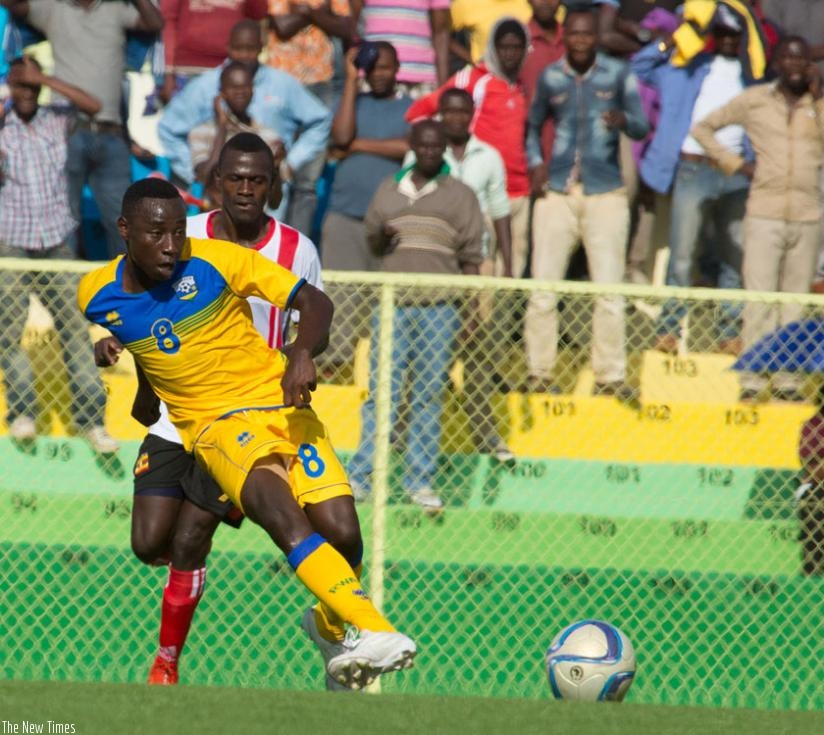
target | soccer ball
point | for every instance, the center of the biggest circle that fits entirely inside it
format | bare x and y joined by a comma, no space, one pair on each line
591,661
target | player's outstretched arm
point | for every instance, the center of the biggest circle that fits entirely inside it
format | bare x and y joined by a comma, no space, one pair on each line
300,378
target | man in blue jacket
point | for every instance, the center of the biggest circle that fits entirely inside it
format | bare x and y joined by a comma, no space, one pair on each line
592,98
702,195
279,102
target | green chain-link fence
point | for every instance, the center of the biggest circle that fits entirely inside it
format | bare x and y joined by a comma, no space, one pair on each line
668,509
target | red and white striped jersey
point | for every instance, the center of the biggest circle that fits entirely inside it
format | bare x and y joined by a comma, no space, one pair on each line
281,244
285,246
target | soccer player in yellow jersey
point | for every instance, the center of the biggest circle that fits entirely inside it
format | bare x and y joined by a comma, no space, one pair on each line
176,506
179,306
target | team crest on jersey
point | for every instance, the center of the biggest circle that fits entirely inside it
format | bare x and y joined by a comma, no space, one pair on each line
113,319
244,438
142,464
186,288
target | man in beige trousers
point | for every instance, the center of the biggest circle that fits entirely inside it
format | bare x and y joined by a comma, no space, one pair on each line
785,123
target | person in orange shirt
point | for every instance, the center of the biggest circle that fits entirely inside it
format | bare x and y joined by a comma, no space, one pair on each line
302,40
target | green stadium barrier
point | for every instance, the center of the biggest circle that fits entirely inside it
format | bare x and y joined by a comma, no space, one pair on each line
502,517
67,465
500,580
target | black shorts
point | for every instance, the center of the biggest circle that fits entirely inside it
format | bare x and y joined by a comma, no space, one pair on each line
165,469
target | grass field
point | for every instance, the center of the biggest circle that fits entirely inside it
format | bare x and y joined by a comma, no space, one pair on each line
124,709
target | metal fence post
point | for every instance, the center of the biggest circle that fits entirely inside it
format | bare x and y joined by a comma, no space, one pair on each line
383,432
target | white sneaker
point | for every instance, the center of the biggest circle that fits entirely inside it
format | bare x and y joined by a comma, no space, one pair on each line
427,499
23,429
100,440
368,654
328,649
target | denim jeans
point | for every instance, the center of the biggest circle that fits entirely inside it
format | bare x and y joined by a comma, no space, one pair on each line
704,196
100,160
424,338
57,292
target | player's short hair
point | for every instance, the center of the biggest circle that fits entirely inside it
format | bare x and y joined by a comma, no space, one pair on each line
457,93
151,188
247,143
234,66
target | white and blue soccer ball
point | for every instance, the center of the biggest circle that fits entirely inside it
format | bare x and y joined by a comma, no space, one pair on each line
591,661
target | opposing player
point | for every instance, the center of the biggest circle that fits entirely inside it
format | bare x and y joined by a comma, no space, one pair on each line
179,305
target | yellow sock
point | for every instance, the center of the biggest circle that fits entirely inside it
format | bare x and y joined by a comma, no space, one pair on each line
328,576
331,626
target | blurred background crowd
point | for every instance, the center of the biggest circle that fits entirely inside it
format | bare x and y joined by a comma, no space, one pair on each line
642,141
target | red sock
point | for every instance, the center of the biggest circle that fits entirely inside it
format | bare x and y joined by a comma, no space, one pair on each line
180,598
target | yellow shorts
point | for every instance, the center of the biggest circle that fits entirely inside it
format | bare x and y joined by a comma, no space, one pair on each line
230,446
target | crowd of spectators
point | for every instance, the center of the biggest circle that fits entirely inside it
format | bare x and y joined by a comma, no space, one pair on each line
571,122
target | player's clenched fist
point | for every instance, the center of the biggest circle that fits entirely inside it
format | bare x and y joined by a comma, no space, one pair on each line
300,378
107,351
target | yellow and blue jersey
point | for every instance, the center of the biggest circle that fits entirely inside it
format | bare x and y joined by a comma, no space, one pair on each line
193,335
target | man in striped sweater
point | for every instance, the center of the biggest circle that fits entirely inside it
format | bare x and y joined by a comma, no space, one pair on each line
422,220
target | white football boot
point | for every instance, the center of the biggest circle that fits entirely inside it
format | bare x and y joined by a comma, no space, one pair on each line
368,654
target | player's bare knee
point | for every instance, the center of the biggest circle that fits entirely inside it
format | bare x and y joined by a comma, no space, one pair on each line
348,542
148,548
191,545
153,521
